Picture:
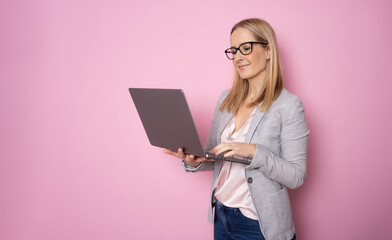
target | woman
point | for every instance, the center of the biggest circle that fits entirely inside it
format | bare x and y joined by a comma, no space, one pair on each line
257,119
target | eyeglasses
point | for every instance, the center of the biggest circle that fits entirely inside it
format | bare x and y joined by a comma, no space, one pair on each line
245,49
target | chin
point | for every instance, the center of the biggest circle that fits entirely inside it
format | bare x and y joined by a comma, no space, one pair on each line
245,76
249,75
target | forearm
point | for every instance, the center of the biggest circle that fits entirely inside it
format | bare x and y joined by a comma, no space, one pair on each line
289,170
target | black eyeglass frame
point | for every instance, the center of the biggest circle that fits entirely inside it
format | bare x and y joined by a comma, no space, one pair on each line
239,49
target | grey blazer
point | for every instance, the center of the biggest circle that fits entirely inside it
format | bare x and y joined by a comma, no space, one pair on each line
281,137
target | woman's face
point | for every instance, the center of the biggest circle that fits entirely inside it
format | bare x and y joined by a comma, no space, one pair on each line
253,65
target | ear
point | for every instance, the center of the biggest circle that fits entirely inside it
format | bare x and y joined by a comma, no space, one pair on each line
268,52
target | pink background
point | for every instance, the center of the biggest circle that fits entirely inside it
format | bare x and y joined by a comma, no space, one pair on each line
75,162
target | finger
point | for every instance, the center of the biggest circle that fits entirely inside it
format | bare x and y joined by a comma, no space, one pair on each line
167,151
170,152
223,148
181,153
212,151
208,160
190,158
217,149
230,153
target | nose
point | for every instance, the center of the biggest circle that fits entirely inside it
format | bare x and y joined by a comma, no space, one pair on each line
238,54
238,57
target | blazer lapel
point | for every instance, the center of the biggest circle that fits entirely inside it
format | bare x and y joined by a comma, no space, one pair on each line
226,117
253,125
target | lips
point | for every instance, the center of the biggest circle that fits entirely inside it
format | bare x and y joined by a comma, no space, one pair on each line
242,67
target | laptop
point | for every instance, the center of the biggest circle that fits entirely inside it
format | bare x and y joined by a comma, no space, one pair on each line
168,122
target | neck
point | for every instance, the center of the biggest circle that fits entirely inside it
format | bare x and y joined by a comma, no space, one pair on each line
255,85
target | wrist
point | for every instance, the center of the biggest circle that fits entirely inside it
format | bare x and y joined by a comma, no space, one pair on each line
188,167
192,165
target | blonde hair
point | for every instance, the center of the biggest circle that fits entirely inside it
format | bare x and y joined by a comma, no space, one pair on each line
273,82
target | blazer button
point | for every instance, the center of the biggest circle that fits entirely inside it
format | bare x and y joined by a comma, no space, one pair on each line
250,180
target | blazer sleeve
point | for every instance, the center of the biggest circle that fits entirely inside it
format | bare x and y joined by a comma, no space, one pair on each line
289,167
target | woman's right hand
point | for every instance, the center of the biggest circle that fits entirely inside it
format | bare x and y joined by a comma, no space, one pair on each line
191,160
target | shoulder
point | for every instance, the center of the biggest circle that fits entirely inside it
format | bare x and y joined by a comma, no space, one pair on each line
287,99
223,96
287,104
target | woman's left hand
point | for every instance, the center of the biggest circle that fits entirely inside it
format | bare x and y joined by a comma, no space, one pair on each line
235,149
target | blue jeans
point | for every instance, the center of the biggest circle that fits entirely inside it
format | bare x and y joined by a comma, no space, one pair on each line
230,224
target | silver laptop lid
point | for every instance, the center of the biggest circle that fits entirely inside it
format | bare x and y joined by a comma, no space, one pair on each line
167,119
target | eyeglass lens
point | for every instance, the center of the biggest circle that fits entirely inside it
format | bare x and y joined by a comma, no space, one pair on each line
245,49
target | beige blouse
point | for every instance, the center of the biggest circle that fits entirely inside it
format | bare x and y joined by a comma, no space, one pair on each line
231,188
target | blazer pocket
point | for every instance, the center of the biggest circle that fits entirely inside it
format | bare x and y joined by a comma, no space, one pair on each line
282,207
